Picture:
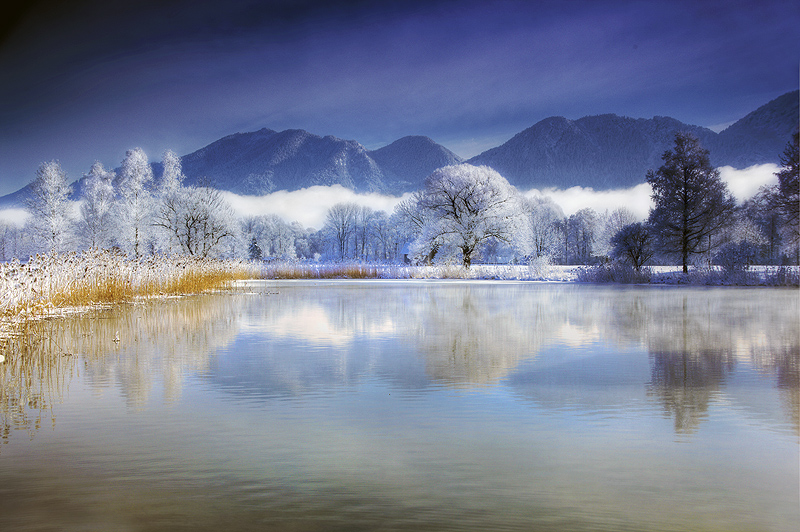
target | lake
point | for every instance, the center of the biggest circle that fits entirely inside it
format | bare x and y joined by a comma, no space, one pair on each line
409,405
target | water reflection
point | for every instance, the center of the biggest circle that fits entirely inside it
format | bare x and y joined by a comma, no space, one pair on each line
125,349
408,406
558,345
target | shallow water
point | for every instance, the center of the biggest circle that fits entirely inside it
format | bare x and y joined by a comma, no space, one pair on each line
411,405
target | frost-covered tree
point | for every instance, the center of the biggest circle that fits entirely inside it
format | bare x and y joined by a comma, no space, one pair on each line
609,225
362,232
172,178
385,236
136,204
11,241
692,204
543,216
412,219
469,206
170,203
198,221
96,208
49,206
581,235
339,226
764,218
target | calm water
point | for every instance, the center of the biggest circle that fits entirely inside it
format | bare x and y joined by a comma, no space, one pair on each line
409,406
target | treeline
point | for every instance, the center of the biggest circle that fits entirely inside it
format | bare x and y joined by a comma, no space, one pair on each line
464,214
467,214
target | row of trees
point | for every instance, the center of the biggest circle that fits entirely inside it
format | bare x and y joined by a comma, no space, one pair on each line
130,211
464,213
469,212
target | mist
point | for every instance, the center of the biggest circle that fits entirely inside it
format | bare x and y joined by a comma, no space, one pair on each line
309,206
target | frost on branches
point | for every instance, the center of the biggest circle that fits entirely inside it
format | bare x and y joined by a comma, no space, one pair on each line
195,221
136,202
96,209
49,206
469,206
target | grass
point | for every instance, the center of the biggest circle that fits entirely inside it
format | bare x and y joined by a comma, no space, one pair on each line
96,277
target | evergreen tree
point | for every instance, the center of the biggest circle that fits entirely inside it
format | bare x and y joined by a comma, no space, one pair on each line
692,203
254,250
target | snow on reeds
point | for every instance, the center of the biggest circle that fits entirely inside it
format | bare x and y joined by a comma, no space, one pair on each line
538,271
61,280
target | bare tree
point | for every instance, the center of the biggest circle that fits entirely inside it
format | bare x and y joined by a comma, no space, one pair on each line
632,244
198,220
340,224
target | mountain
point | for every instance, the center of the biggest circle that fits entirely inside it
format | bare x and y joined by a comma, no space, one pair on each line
408,161
265,161
610,151
759,136
605,151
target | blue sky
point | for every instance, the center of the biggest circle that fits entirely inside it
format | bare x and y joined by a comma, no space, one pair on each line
86,80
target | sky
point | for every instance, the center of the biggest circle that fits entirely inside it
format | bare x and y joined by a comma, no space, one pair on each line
87,80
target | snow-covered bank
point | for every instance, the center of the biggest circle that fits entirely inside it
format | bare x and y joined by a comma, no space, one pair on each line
540,271
533,272
58,281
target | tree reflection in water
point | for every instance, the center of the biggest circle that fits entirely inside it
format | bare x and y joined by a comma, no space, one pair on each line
464,334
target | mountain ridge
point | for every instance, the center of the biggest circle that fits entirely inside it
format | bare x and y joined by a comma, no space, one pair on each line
603,151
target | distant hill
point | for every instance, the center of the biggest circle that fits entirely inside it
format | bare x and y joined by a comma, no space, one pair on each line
604,152
759,136
265,161
610,151
408,161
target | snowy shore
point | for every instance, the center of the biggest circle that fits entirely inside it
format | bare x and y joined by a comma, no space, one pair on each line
542,272
53,283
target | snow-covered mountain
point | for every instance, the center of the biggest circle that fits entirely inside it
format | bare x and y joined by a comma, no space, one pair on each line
610,151
265,161
408,161
604,152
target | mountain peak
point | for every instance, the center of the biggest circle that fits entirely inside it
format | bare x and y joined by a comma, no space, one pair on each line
409,160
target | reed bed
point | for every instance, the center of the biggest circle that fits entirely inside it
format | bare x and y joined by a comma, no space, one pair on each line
539,271
49,282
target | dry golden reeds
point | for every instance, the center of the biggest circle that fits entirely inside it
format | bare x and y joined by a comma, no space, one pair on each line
94,277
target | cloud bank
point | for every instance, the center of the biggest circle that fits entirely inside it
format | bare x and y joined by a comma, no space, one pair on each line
744,184
308,205
573,199
15,217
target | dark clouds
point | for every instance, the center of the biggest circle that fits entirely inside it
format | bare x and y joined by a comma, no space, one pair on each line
87,80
